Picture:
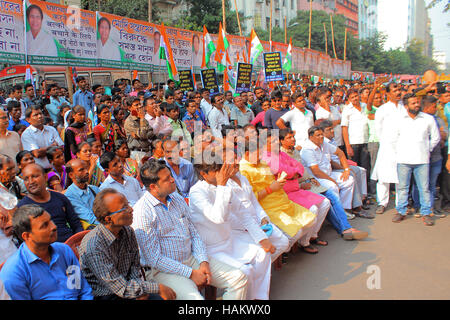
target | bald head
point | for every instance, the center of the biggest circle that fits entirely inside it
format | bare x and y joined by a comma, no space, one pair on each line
78,172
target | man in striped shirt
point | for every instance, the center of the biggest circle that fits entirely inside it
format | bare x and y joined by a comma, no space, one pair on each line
170,244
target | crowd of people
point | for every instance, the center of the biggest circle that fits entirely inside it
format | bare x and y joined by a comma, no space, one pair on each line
177,191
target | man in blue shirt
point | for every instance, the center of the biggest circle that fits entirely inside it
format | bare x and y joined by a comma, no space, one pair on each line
83,97
42,269
15,113
54,107
181,169
80,194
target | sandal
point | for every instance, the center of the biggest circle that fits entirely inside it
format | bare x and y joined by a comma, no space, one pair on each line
319,242
310,249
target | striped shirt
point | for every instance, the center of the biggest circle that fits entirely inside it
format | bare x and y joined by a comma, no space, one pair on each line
111,265
166,235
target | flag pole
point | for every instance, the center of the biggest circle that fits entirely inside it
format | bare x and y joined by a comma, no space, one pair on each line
67,73
285,30
332,35
223,16
345,45
310,19
326,40
237,16
270,27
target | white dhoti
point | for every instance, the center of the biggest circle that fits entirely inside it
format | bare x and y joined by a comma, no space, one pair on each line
344,188
321,211
385,172
251,259
280,242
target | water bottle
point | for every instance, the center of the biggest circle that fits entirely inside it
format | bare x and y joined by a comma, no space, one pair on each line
7,200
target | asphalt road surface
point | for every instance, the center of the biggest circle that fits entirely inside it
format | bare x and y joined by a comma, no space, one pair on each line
405,260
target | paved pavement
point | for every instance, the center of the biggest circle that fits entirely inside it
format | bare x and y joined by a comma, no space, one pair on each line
413,261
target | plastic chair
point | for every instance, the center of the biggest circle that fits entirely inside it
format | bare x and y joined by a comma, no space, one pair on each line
1,265
75,240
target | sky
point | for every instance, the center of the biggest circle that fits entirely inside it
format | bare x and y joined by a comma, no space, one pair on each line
393,21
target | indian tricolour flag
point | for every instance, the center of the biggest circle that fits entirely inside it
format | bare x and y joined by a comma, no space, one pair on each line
29,77
222,58
165,53
287,64
256,48
208,48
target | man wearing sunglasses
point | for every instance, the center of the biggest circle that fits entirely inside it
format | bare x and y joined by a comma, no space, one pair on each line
109,254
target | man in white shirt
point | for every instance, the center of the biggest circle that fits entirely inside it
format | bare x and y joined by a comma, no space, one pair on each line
416,136
39,42
126,185
218,117
300,119
156,119
212,209
386,122
107,48
205,104
329,112
316,154
38,137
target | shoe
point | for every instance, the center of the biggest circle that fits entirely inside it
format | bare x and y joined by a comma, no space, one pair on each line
355,235
310,249
350,216
398,218
364,214
427,220
439,214
380,210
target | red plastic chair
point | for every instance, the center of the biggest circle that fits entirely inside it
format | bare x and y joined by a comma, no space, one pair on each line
1,265
75,240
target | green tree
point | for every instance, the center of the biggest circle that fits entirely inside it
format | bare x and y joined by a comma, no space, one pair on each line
136,9
419,62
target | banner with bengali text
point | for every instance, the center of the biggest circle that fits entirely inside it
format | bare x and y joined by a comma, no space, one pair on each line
12,46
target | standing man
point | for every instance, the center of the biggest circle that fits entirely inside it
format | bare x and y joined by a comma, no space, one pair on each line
54,106
16,95
170,87
260,94
218,117
38,137
170,244
205,103
417,135
139,133
30,97
386,122
109,254
42,269
83,97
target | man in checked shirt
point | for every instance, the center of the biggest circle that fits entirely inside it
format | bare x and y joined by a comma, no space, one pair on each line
109,254
170,244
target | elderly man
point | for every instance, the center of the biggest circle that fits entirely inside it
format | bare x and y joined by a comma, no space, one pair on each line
156,119
42,269
316,154
213,209
416,136
55,203
8,178
10,143
109,254
80,193
38,137
182,170
170,244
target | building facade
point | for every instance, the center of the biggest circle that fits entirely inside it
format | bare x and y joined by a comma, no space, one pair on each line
368,18
419,25
257,13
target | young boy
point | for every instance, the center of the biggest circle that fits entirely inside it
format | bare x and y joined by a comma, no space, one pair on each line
191,116
178,126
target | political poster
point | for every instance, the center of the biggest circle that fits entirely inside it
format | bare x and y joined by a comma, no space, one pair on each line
209,80
126,43
244,77
273,67
12,47
59,35
186,80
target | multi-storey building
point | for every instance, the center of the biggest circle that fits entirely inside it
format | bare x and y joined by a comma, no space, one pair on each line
419,25
368,18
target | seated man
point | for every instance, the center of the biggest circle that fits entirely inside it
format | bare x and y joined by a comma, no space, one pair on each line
289,216
109,254
80,193
42,269
316,154
212,209
359,174
126,185
8,178
336,215
182,170
170,244
55,203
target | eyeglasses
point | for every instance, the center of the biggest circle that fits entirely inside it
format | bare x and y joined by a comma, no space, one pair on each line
127,207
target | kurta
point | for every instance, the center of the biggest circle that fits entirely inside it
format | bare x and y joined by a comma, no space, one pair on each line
285,214
283,162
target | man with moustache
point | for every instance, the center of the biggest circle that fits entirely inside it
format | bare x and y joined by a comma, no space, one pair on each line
416,136
42,269
80,194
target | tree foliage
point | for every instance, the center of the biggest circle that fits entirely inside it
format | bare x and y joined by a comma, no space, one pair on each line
136,9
